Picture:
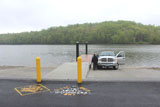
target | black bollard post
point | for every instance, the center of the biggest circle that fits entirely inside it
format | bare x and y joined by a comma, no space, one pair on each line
86,48
77,50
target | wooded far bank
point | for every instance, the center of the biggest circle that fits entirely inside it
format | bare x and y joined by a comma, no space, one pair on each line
108,32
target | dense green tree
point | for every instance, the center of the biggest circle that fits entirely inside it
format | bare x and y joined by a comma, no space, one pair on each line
108,32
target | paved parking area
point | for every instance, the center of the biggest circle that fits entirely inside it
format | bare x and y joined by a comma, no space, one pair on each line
125,73
102,94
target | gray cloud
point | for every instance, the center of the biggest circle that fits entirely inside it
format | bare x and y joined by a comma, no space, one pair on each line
27,15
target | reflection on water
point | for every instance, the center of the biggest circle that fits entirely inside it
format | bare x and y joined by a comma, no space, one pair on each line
53,55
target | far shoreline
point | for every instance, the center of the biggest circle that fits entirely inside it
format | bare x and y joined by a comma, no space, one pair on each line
88,44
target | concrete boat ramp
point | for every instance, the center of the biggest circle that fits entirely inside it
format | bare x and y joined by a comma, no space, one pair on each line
67,71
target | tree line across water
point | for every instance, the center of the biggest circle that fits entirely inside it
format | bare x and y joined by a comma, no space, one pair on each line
108,32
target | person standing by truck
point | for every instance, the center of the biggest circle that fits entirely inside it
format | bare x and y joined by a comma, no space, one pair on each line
94,61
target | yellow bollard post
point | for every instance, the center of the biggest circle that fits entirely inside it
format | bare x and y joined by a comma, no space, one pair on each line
38,68
79,70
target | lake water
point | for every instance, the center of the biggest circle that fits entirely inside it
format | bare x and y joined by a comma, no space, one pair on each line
53,55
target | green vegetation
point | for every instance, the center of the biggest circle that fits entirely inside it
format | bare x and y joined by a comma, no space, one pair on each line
109,32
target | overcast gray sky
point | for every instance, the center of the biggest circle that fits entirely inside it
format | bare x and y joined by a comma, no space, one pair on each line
31,15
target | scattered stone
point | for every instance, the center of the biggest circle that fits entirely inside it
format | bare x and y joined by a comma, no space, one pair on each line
72,91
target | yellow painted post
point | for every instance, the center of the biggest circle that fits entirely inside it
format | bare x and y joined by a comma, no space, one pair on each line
79,70
38,68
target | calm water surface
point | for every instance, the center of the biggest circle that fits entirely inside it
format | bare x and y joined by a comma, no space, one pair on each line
53,55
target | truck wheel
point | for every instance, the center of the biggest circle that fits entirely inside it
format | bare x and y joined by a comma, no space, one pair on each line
116,67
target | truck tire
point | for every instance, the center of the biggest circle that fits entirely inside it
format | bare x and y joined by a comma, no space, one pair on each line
116,67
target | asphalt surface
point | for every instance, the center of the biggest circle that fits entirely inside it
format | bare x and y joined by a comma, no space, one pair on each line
102,94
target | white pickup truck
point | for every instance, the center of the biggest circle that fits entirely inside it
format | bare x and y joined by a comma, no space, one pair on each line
109,59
